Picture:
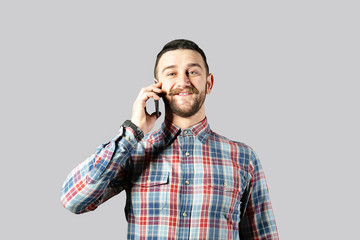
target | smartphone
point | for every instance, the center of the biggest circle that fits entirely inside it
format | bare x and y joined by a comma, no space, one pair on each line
157,108
157,103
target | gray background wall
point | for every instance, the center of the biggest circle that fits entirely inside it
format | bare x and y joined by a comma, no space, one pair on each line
286,83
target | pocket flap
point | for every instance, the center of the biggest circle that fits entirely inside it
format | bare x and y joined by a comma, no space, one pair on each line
222,183
152,179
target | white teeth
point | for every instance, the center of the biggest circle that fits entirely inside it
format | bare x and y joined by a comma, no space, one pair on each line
183,93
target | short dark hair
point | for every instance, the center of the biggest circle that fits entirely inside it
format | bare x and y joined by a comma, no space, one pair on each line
181,44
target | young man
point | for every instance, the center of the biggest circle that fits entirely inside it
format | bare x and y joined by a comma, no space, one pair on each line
183,181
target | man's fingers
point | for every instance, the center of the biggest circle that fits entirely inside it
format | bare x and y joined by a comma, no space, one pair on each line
148,95
152,88
149,92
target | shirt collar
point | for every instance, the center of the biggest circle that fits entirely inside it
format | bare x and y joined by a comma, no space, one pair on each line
170,131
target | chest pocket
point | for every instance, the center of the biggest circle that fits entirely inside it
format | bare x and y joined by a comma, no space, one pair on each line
149,193
225,197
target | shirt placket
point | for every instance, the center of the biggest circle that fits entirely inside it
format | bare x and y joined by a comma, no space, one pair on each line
186,182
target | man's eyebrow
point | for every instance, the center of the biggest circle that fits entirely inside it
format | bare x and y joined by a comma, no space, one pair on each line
194,65
189,65
168,67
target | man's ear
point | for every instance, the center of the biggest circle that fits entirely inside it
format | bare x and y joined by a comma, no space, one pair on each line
209,83
156,81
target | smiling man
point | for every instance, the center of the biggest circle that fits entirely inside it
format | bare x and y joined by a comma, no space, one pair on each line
185,97
183,181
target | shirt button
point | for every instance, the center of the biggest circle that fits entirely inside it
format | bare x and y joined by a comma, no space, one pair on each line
148,181
184,214
187,154
127,138
225,184
187,182
185,132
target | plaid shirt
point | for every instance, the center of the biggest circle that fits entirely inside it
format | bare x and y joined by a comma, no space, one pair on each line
180,184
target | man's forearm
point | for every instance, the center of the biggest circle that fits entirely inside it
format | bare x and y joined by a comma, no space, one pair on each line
87,185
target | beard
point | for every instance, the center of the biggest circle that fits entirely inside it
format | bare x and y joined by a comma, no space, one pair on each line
187,109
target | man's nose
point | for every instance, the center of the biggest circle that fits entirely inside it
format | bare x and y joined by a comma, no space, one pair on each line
183,80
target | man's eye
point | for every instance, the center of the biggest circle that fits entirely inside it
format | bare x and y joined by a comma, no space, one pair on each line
171,74
192,72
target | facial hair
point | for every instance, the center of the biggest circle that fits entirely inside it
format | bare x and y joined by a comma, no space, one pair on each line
181,110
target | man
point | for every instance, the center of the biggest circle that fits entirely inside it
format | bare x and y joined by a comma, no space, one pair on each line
183,181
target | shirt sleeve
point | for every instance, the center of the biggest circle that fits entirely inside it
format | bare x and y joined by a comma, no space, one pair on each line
100,176
258,220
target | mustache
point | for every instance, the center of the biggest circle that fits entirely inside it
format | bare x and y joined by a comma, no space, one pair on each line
179,90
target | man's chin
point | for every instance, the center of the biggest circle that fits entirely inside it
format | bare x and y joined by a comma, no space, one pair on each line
185,111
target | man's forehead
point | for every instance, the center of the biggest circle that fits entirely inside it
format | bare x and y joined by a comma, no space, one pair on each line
181,56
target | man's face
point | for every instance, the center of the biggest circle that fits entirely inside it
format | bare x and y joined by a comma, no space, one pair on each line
184,81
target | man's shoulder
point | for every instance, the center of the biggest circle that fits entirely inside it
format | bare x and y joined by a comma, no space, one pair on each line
237,151
224,140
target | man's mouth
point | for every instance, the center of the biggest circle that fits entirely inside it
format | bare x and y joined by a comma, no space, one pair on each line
183,92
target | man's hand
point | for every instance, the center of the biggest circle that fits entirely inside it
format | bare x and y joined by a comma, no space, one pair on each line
140,117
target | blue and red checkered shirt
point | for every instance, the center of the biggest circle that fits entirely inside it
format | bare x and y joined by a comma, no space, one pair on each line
180,183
